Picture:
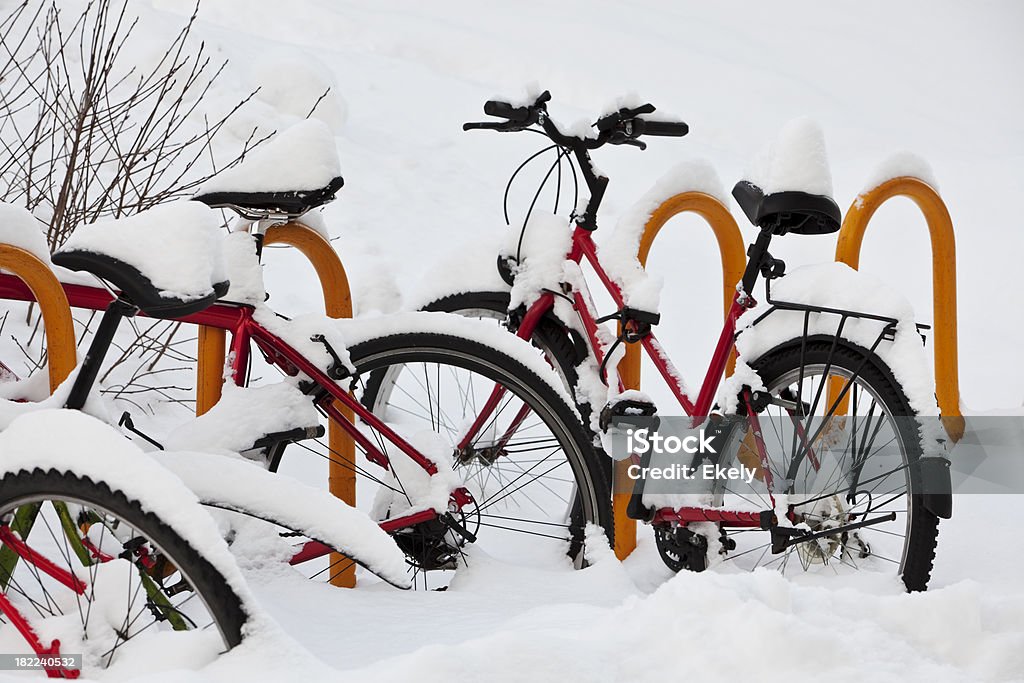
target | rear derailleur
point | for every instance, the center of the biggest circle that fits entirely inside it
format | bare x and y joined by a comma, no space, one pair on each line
437,543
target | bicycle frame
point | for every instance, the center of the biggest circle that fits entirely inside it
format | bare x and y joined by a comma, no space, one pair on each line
698,409
328,395
583,247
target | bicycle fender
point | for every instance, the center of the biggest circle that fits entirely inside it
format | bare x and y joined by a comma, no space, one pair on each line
239,485
930,478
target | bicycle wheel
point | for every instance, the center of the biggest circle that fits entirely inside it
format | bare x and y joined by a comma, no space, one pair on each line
86,565
835,468
531,470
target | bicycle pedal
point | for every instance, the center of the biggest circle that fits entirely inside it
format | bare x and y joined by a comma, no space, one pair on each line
622,413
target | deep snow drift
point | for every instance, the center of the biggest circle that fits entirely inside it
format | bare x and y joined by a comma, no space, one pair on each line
934,78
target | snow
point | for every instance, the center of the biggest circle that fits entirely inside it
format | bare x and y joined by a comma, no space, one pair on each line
795,160
641,289
298,331
620,641
301,157
243,415
314,220
526,96
20,228
836,285
175,245
289,84
409,487
32,394
242,269
541,251
236,484
471,268
900,164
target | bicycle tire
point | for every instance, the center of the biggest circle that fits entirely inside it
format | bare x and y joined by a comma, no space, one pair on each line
222,604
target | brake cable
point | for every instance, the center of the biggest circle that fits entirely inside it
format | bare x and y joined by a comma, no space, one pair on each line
562,153
508,186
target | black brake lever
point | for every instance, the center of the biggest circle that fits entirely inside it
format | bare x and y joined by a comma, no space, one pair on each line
612,120
642,109
623,139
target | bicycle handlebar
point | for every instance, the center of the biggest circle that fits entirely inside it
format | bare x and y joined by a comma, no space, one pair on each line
618,128
622,127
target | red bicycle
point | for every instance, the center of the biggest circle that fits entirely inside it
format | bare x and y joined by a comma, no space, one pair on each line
837,493
465,439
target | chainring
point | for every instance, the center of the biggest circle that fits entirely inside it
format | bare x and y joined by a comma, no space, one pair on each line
681,548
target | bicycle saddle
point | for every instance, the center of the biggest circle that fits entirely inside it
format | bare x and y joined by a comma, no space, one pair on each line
256,205
792,211
165,261
292,173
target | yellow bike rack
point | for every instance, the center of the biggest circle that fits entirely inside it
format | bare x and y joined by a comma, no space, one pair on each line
733,254
53,305
940,228
337,304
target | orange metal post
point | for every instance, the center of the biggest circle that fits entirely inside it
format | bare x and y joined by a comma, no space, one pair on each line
943,242
53,305
337,304
210,367
731,250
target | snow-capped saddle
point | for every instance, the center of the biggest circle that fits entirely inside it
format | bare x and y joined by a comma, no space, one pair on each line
801,213
293,173
788,187
166,260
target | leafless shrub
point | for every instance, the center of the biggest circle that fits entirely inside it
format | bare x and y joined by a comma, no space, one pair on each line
86,134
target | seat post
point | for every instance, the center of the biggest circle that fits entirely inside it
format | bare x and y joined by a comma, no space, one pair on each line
756,254
90,369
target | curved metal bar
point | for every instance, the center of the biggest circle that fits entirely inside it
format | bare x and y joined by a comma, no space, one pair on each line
53,303
943,242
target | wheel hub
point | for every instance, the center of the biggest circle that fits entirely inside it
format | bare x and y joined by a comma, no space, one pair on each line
827,513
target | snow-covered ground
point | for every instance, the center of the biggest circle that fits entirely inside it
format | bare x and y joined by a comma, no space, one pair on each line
941,79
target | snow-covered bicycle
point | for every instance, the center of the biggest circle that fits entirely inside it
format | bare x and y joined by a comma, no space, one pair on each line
466,433
822,407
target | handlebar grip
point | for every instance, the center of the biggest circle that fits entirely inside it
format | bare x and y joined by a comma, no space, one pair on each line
673,129
506,110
